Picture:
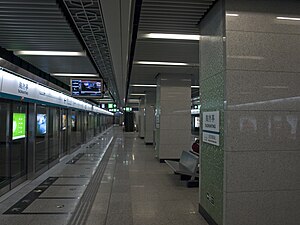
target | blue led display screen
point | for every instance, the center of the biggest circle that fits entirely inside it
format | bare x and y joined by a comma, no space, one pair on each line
86,88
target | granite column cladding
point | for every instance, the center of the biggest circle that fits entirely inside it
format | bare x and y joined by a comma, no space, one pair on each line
211,81
149,117
142,118
250,72
173,115
262,151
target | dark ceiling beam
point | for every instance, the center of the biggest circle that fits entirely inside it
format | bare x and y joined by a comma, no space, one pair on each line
136,20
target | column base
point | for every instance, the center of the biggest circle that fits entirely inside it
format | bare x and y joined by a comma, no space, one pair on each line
206,216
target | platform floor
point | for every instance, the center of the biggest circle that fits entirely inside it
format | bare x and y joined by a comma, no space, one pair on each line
116,180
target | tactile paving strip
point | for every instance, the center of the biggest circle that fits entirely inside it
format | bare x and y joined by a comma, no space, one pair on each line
79,217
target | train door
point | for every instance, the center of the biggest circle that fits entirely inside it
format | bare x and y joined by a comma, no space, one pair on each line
4,150
18,143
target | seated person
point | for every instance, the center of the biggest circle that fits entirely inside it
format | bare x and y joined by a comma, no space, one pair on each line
195,146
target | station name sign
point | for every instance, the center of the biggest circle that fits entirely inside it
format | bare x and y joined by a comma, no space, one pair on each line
211,128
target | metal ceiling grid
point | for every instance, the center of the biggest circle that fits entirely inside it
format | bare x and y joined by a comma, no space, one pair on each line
88,18
173,16
35,25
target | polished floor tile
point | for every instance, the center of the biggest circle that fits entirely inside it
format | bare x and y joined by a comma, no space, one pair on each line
52,206
71,181
144,191
135,189
63,192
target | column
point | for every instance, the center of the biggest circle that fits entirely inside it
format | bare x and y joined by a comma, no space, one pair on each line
149,117
211,80
250,65
142,118
173,115
262,154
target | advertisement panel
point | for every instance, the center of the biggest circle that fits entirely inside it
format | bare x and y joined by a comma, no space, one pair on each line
19,126
64,121
41,126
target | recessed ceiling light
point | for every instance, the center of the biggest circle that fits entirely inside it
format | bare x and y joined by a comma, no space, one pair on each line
143,85
232,14
288,18
172,36
132,100
74,75
137,94
161,63
50,53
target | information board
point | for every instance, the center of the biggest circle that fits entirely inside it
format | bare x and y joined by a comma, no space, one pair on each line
211,128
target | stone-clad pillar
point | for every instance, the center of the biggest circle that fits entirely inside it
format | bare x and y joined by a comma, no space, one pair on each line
173,115
250,65
149,117
142,118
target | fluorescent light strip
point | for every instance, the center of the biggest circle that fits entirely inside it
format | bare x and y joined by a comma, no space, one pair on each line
50,53
143,85
133,100
137,94
172,36
74,75
152,85
288,18
232,14
161,63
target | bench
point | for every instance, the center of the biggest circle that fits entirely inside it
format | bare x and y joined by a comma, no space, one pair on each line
187,165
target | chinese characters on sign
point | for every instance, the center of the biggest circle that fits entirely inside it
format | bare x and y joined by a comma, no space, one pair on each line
211,129
23,88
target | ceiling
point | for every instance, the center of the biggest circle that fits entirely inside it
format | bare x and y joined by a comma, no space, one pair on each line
168,17
75,26
173,16
41,26
104,30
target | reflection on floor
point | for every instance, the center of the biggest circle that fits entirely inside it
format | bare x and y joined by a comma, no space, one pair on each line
135,189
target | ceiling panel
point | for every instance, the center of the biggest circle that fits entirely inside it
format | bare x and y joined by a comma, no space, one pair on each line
35,25
87,16
177,16
167,51
170,17
52,64
146,74
39,25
